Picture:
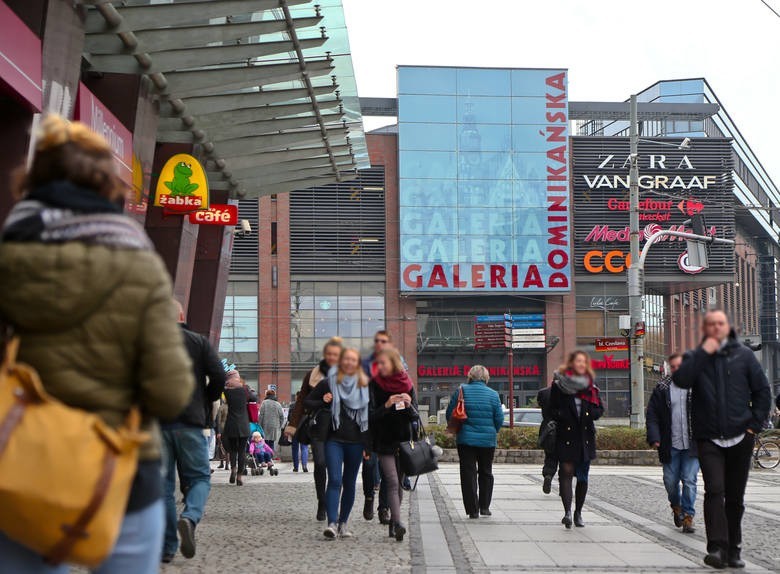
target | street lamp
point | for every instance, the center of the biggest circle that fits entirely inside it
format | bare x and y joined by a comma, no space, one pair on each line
636,282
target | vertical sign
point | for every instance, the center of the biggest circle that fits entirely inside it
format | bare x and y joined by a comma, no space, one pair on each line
484,180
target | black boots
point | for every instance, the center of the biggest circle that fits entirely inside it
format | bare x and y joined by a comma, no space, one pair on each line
716,559
322,511
566,520
368,508
735,560
580,493
547,486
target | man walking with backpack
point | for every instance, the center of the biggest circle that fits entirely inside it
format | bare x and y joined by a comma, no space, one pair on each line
186,446
669,431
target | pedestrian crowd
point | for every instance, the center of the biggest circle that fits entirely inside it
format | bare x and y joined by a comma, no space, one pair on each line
90,304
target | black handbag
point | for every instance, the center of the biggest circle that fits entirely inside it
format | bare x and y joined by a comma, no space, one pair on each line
313,426
415,456
548,435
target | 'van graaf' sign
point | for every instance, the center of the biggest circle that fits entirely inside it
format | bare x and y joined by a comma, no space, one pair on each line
674,185
484,181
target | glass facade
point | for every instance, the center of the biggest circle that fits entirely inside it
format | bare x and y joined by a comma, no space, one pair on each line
475,149
319,310
239,325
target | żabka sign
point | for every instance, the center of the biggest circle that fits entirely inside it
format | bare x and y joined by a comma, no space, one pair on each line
182,186
484,212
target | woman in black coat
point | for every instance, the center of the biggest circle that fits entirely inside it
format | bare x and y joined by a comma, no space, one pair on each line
392,412
236,432
575,405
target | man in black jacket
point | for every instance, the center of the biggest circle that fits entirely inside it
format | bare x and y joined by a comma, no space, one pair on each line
186,446
669,431
731,401
550,466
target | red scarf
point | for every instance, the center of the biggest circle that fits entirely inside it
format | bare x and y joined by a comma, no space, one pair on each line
591,394
394,384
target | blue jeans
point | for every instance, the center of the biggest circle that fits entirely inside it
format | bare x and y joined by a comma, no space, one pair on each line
262,457
137,550
343,461
187,448
300,453
682,468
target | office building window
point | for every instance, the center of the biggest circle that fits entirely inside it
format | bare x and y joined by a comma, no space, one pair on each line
239,325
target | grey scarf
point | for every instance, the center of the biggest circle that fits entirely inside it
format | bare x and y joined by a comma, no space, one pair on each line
58,225
571,384
351,396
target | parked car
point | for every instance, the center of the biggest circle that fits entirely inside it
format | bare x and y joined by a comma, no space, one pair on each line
525,417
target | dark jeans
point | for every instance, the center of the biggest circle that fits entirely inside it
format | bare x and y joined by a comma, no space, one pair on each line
371,476
343,459
476,477
187,449
320,469
725,472
236,447
271,443
300,454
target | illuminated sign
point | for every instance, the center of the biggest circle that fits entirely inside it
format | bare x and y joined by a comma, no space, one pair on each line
216,215
484,180
674,184
462,371
610,363
182,186
611,344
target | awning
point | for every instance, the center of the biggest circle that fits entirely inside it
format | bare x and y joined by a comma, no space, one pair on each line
265,88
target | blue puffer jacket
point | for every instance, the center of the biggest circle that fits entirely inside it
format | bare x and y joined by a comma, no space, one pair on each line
485,416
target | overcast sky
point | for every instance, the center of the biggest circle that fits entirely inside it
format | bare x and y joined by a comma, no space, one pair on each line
611,47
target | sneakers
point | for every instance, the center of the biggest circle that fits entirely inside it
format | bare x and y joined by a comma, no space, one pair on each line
186,528
332,531
368,508
677,515
547,486
687,524
343,532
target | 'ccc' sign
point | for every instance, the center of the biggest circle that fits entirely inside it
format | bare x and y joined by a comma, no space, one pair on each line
597,261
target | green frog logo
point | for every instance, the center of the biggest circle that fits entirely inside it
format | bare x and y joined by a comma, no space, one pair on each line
181,184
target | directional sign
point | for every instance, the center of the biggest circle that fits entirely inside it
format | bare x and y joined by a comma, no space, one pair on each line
523,331
527,345
525,338
489,318
524,316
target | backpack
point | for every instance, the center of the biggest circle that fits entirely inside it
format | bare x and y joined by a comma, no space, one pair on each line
66,498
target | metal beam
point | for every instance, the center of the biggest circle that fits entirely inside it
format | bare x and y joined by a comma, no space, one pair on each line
322,163
153,16
218,103
171,60
219,119
303,174
255,190
234,130
151,41
210,82
237,162
259,144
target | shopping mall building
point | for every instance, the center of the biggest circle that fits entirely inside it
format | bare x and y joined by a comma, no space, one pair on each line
261,94
490,193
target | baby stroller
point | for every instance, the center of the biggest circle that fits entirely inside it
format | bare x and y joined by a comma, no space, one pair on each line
266,454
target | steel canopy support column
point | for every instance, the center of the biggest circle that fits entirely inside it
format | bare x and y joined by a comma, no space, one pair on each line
635,281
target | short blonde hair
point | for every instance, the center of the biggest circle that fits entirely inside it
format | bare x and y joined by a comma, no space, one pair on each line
478,373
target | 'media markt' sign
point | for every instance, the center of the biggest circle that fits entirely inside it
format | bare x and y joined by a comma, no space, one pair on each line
674,184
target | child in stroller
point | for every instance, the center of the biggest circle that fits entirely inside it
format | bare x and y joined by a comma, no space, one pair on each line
261,455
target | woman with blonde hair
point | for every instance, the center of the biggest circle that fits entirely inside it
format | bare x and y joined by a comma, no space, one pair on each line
330,358
393,410
93,306
575,405
345,391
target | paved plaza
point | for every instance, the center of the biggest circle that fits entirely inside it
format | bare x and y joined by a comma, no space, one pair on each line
268,525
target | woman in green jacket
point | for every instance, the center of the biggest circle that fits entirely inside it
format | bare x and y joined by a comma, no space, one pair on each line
92,303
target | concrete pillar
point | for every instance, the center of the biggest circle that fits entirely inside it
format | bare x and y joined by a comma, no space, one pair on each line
210,277
63,46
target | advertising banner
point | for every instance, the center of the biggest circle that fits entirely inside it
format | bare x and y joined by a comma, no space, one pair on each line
20,58
674,185
484,180
99,118
182,186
